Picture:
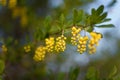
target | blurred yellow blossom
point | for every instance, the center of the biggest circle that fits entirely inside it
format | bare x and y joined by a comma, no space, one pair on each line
3,2
60,43
39,53
4,48
27,48
50,42
12,3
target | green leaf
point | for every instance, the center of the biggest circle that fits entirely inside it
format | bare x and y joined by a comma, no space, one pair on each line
62,20
75,15
92,74
105,26
99,10
1,78
93,11
74,73
2,66
106,20
103,16
47,22
61,76
117,77
90,29
113,72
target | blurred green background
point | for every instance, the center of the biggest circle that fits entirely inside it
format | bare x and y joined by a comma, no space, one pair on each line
20,21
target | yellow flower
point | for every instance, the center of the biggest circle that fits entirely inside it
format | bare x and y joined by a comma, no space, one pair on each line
50,44
23,20
75,35
60,44
4,48
3,2
81,47
39,53
12,3
27,48
16,12
95,37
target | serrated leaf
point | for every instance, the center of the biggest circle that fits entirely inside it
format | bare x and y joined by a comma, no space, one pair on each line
105,26
113,72
99,10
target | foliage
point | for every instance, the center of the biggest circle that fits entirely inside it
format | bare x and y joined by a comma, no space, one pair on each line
31,38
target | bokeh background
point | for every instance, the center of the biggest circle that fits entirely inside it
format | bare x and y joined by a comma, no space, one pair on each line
17,27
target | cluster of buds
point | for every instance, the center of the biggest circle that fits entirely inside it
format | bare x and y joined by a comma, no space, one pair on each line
75,35
60,44
39,53
55,45
27,48
82,44
50,44
4,48
83,41
95,37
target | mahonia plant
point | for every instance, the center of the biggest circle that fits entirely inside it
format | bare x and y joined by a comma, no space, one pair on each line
53,34
82,33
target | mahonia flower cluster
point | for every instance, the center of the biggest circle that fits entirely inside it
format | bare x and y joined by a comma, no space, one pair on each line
12,3
75,35
82,41
27,48
4,48
60,44
50,44
40,53
82,44
95,37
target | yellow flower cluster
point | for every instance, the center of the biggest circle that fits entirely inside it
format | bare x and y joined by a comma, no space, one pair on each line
39,53
12,3
82,44
95,37
4,48
83,41
22,13
60,44
75,35
50,44
27,48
